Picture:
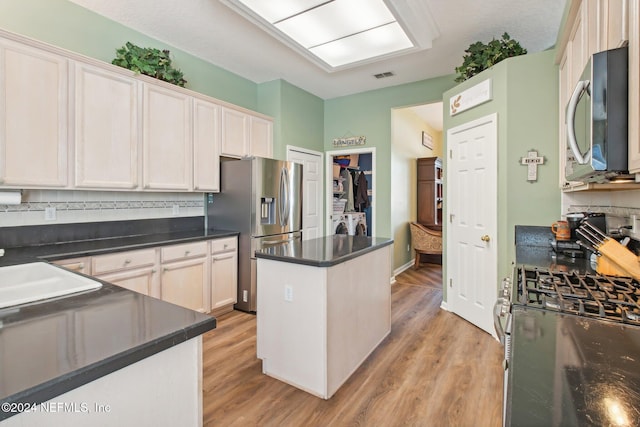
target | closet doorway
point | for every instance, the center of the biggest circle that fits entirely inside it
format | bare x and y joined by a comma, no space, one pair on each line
366,165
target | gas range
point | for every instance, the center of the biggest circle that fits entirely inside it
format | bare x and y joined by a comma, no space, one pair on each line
609,298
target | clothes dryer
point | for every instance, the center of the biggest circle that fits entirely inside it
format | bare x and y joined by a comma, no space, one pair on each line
339,224
356,223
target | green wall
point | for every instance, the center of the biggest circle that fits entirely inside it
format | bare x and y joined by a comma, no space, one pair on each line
525,97
72,27
369,114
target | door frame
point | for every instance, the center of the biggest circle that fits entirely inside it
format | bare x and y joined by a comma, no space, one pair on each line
451,233
291,148
329,183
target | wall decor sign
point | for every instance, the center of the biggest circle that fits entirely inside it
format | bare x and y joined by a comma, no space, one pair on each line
427,140
532,160
352,140
472,97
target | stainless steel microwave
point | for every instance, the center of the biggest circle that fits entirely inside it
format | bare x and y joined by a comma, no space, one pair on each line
597,120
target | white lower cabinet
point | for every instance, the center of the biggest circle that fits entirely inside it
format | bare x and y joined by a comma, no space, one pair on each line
184,279
224,274
134,270
202,276
184,283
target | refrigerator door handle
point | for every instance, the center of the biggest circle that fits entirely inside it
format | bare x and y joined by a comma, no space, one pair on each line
281,198
287,191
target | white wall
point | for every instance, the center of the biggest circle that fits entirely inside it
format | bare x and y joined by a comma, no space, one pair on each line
90,206
406,147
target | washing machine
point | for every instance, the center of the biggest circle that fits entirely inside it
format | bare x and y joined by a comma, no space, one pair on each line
339,224
356,223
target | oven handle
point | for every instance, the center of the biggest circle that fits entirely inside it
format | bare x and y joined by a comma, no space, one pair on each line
497,311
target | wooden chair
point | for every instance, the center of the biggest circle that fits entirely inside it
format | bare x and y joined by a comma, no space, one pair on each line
425,241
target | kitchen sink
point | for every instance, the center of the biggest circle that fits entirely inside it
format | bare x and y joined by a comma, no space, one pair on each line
25,283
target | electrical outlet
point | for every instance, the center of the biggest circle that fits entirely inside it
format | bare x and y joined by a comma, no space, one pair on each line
176,210
288,293
245,296
50,214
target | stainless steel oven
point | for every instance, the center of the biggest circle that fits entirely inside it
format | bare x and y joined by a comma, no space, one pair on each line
572,348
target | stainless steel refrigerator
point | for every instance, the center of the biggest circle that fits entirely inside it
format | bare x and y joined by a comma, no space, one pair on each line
262,199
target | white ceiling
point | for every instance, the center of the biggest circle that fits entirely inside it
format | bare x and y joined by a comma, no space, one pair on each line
210,30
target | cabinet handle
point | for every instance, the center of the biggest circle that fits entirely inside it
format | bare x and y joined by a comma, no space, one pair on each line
485,238
226,246
127,261
153,270
165,269
186,253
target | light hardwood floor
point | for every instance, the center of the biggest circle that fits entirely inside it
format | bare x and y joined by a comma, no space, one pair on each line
434,369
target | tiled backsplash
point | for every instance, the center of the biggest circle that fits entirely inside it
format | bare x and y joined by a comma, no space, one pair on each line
92,206
618,203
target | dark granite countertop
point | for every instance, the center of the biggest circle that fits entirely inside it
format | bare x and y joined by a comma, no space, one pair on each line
533,249
323,251
52,347
65,250
57,345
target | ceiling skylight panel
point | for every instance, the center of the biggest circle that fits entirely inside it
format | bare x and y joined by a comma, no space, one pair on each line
376,42
276,10
335,20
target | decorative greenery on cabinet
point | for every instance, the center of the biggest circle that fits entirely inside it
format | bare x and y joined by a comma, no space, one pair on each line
480,56
150,61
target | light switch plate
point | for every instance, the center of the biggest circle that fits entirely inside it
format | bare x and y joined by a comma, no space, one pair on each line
288,293
50,214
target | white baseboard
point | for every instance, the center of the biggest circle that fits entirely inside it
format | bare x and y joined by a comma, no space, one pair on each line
402,268
444,306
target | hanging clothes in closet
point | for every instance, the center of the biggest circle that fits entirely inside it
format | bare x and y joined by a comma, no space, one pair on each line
348,189
361,192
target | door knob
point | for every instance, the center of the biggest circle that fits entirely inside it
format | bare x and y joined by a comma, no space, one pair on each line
485,238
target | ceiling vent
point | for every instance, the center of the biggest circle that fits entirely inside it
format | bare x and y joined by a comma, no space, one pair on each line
384,75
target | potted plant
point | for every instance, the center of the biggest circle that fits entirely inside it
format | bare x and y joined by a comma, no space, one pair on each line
480,56
149,61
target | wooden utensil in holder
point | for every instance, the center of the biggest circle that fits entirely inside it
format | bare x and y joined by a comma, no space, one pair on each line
614,259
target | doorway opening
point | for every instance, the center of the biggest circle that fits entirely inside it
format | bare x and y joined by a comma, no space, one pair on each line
347,211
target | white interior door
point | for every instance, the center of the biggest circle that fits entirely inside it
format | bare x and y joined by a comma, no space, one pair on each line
311,190
472,263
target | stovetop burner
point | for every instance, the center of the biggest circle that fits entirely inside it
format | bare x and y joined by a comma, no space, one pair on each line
592,295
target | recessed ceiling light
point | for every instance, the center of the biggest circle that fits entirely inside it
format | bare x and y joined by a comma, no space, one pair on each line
339,34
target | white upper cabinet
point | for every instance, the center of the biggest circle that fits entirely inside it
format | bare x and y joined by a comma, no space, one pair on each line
245,134
614,23
106,129
166,139
33,117
68,121
206,145
260,137
235,133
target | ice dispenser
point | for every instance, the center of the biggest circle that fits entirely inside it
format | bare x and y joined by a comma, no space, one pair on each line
267,210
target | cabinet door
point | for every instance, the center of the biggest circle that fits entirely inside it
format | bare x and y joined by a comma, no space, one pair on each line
33,117
614,23
261,137
634,87
184,283
137,280
224,279
235,129
166,139
206,146
579,41
106,129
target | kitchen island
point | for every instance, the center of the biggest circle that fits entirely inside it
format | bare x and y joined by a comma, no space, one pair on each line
323,306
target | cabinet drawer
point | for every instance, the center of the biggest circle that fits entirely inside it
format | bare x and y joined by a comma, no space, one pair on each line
123,260
223,245
187,250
